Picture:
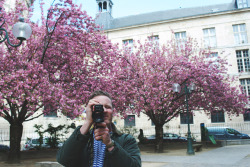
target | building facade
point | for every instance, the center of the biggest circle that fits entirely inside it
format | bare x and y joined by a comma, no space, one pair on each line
225,28
10,4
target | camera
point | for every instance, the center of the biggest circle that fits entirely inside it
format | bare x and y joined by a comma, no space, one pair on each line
97,113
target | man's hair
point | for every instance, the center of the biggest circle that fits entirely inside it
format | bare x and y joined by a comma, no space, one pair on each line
99,93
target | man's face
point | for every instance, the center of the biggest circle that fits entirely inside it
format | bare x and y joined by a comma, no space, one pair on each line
107,106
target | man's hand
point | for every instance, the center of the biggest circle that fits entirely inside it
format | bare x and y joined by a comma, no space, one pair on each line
89,121
102,133
89,110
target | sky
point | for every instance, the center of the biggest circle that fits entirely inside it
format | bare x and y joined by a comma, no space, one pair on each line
123,8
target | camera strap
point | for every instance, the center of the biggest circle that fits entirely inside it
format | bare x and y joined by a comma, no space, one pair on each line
99,153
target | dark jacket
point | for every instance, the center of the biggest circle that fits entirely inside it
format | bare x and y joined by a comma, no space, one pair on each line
75,152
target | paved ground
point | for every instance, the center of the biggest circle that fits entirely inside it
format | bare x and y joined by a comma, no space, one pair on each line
228,156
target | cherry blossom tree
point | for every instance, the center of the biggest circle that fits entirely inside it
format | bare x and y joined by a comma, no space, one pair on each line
66,58
152,71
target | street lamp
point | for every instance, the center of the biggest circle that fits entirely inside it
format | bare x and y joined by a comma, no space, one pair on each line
177,88
21,31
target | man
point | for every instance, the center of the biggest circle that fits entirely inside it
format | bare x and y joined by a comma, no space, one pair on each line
103,146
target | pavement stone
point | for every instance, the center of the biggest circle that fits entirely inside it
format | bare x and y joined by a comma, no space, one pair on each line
227,156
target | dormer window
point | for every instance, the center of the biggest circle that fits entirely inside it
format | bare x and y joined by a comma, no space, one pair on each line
242,4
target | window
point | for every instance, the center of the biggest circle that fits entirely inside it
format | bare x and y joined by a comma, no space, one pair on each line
240,33
180,38
129,121
51,114
184,118
217,117
105,6
243,62
52,111
70,116
232,131
209,37
247,115
152,123
128,44
180,35
100,7
154,39
245,83
242,3
212,56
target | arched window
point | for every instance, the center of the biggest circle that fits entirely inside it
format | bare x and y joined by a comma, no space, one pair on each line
100,7
104,6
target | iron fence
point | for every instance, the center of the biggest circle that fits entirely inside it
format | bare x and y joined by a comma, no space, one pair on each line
176,129
195,129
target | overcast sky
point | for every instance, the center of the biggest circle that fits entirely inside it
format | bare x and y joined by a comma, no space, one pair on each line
123,8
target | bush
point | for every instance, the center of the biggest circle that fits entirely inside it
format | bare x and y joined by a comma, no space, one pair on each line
129,130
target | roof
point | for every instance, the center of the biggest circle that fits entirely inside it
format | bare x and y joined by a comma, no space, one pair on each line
165,15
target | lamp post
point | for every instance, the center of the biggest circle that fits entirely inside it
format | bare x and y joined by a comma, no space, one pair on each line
187,89
21,31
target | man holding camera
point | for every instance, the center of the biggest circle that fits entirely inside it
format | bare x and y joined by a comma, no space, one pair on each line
97,142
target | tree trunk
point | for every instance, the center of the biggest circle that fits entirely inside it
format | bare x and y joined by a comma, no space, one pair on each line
16,130
159,139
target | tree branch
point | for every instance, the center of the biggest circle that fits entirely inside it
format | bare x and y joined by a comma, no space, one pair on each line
8,117
12,109
33,117
49,37
34,112
23,112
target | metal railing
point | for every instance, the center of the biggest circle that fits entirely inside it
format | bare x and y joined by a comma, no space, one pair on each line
176,129
195,129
